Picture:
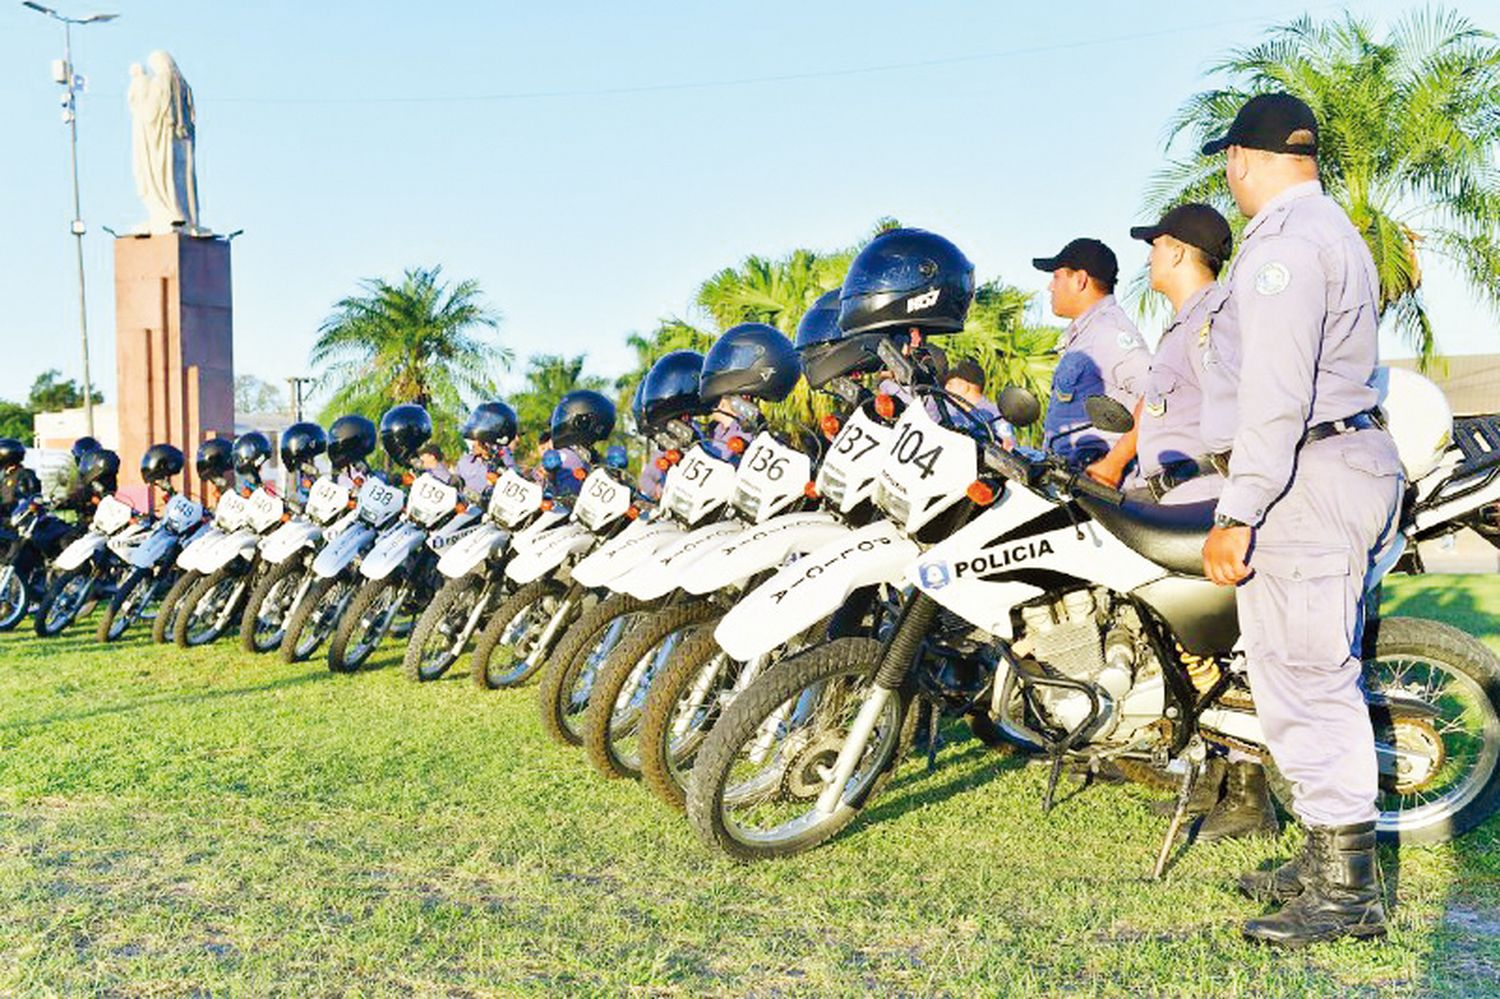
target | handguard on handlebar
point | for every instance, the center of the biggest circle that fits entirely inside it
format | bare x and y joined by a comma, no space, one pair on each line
1019,468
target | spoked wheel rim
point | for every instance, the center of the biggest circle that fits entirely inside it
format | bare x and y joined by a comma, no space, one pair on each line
575,700
271,615
442,645
133,607
69,600
697,710
1441,764
12,598
325,617
520,636
205,616
625,717
771,790
373,624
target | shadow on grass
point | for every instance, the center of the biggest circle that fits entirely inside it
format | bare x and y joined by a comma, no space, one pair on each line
1455,604
193,697
914,787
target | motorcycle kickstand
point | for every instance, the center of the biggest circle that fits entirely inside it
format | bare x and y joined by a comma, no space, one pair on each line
1184,792
1053,775
932,736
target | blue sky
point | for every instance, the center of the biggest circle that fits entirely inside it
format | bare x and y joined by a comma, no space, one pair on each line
351,140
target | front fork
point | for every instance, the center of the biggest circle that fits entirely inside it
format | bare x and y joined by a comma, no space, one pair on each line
549,634
896,659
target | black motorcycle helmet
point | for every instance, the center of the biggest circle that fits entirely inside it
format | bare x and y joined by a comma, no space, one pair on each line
492,423
301,443
350,440
671,388
404,429
100,471
751,359
215,460
826,351
161,462
907,277
83,446
582,418
12,452
638,405
251,451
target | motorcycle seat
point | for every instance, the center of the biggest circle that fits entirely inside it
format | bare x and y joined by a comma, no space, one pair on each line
1171,535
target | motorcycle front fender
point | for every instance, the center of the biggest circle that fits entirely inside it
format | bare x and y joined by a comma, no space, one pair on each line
761,547
240,544
474,550
626,550
201,544
547,551
664,572
340,552
392,549
79,552
289,539
813,587
157,546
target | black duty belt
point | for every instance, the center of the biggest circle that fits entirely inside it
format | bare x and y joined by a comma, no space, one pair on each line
1178,472
1370,419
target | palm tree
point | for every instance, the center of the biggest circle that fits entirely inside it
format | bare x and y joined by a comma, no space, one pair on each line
1408,132
420,341
548,378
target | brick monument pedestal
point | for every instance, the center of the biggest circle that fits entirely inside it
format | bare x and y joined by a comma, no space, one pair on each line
174,347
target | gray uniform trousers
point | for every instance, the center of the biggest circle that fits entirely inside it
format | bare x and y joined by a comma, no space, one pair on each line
1302,613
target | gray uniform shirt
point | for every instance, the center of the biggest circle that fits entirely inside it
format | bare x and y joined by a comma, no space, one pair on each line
1103,354
1305,289
1173,406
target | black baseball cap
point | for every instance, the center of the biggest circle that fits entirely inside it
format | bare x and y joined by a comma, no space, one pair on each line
1196,225
1085,254
1267,122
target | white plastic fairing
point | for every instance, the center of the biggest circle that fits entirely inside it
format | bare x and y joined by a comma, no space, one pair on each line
79,552
626,550
201,544
339,552
473,551
288,539
182,514
240,544
761,547
514,498
849,469
548,551
770,477
326,500
697,486
813,587
601,500
925,470
158,544
665,571
430,499
230,512
264,510
111,515
395,544
1418,417
379,502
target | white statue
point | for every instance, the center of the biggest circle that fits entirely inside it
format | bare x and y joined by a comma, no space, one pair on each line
162,135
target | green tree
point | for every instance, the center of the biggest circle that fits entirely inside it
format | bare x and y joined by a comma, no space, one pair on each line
548,378
1407,137
15,421
51,393
421,341
256,395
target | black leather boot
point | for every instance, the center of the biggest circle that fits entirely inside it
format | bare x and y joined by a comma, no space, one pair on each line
1281,884
1245,810
1205,793
1340,892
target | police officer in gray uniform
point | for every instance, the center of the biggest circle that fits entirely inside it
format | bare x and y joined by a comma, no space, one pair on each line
1102,353
1309,506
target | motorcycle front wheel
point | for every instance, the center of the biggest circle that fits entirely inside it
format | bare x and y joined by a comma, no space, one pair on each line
753,793
208,609
366,622
128,605
315,617
435,642
564,689
13,598
507,652
264,620
165,625
65,599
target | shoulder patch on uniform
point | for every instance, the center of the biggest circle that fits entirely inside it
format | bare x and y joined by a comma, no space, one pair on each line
1127,339
1272,278
1203,333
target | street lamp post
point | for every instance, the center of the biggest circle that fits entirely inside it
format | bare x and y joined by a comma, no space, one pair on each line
75,84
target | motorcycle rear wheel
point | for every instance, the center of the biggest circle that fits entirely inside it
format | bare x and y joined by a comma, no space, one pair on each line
127,606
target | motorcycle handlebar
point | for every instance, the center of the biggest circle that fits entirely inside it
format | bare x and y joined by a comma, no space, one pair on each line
1021,469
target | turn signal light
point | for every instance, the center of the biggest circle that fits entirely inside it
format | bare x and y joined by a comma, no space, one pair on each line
285,517
810,490
406,479
492,477
830,424
632,512
547,504
580,474
245,492
981,492
674,456
460,507
663,464
736,445
353,504
885,405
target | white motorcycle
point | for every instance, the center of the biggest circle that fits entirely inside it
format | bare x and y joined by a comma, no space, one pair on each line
288,553
92,566
230,512
1079,620
229,568
153,567
334,576
397,575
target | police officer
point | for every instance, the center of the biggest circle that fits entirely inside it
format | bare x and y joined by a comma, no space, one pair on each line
1309,505
17,482
1102,352
1188,249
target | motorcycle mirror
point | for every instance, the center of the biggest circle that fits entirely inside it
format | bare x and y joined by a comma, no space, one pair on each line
1019,407
1108,415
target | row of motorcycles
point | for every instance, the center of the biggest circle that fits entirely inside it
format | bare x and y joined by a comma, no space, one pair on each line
762,637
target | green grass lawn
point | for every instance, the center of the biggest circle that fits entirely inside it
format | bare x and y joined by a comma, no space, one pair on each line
213,823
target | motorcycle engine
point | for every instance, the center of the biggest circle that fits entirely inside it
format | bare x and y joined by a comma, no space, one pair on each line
1088,636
